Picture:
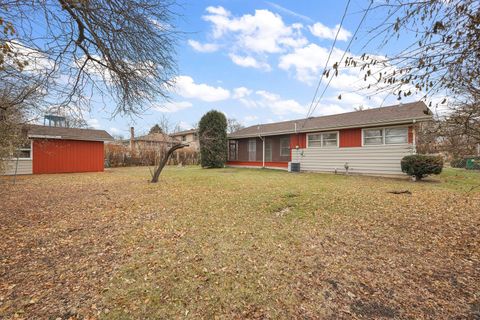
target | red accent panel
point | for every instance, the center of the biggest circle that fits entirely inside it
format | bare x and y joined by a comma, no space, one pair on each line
351,138
410,134
62,156
258,164
297,139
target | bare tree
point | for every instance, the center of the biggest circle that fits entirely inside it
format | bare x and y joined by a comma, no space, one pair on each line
164,160
233,125
119,49
443,56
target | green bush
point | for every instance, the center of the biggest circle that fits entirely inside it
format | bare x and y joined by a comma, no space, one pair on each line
420,166
212,131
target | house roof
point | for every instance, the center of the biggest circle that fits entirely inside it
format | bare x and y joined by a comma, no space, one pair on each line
155,137
38,131
181,133
397,114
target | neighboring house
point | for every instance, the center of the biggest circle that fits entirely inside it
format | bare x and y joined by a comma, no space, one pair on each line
189,137
149,141
371,141
59,150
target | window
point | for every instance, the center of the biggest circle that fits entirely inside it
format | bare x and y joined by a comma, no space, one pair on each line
252,150
372,137
329,139
184,138
232,150
325,139
396,135
24,152
284,147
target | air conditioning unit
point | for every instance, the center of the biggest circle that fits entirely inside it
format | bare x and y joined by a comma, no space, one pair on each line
294,166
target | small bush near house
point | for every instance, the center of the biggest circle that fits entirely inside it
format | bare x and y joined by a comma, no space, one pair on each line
420,166
212,130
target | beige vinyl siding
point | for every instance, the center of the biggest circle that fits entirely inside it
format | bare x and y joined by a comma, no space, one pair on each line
375,160
24,166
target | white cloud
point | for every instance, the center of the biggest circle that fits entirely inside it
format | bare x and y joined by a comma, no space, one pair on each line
203,47
171,107
93,123
114,130
325,109
184,125
187,88
250,119
37,60
249,62
277,105
241,92
323,32
262,32
308,61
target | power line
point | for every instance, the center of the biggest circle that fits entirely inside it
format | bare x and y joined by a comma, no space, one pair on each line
343,56
328,59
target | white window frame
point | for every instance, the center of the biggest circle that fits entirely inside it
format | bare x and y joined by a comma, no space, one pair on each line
288,145
25,159
384,136
321,139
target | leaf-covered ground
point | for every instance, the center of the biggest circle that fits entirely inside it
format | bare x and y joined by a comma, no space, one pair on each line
239,243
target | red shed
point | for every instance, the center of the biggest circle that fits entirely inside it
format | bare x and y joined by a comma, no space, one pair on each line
60,150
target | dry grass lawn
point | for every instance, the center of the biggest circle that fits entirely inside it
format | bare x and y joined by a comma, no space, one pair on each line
239,243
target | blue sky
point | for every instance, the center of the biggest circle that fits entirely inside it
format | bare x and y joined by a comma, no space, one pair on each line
258,61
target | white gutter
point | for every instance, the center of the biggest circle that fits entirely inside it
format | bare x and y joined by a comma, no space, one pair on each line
414,137
263,151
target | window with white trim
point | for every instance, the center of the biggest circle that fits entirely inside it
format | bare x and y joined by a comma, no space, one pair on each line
24,152
396,135
324,139
380,136
284,147
329,139
372,137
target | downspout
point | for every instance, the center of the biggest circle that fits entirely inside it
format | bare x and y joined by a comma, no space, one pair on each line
414,137
263,151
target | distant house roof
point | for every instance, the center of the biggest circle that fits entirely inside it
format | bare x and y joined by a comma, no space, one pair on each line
47,132
155,137
396,114
182,133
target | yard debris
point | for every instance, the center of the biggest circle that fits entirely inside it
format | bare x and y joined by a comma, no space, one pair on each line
400,192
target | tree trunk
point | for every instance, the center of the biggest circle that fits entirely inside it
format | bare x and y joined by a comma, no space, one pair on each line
164,161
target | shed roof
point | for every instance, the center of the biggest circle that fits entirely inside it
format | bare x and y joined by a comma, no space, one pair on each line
38,131
395,114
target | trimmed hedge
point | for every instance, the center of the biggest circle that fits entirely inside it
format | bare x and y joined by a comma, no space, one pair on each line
420,166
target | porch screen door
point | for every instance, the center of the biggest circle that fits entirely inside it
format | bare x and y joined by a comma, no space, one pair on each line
252,150
268,150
